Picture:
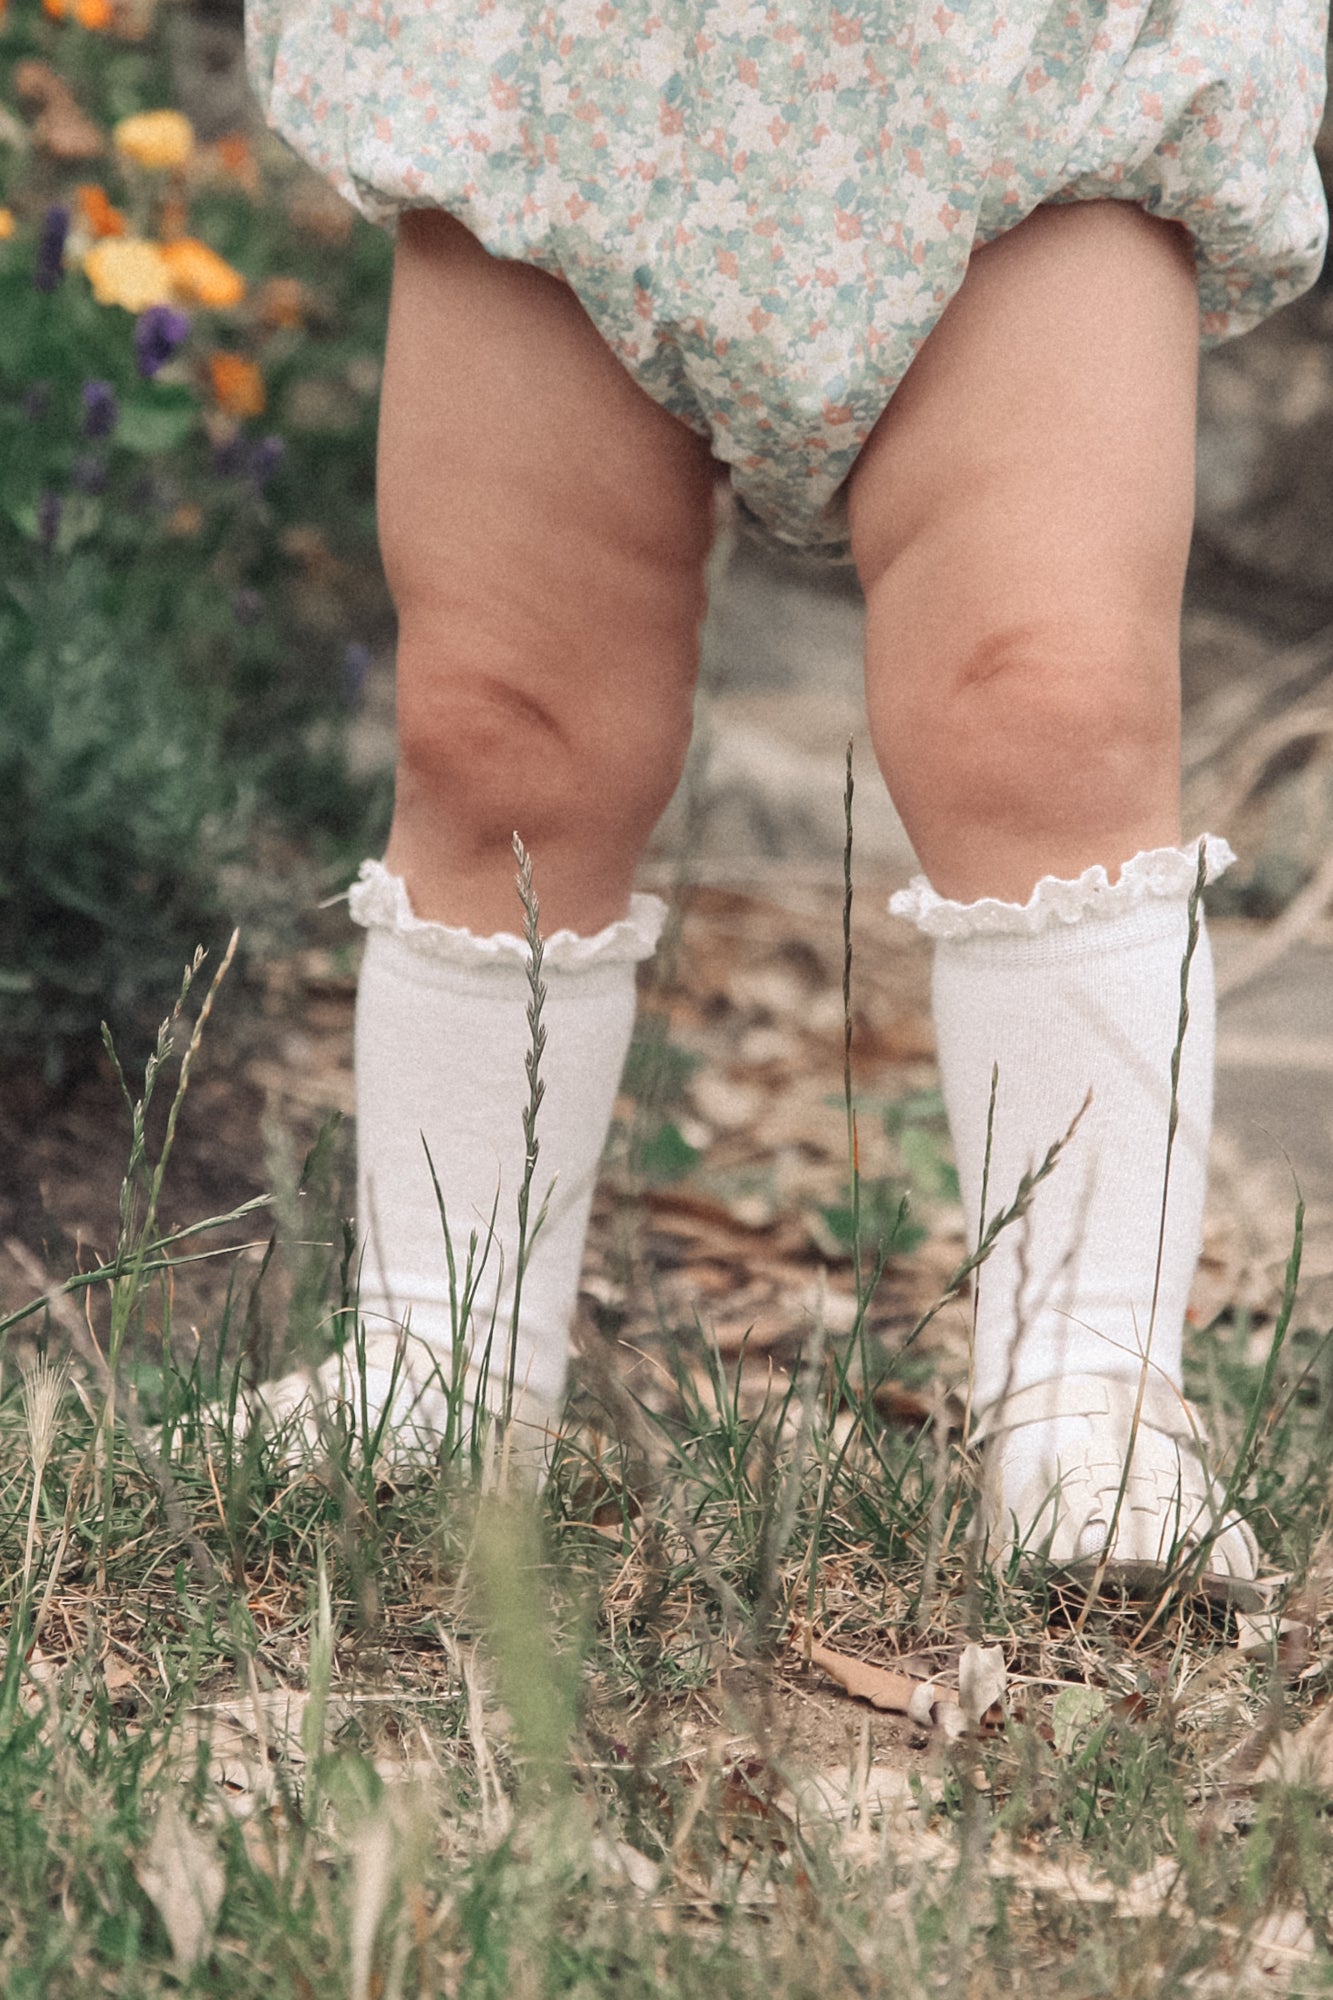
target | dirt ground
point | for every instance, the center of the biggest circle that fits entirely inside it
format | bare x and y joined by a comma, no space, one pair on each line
753,1006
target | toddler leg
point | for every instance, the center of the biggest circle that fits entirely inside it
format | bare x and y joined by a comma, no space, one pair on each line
1021,519
544,527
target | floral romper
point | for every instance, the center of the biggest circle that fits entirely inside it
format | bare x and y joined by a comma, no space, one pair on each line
765,205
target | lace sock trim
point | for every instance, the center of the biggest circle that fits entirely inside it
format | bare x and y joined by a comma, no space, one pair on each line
1157,873
378,900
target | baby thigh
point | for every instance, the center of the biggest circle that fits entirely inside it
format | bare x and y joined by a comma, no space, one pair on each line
544,527
1021,519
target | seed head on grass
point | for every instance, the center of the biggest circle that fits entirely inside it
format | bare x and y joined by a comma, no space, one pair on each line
532,1062
43,1391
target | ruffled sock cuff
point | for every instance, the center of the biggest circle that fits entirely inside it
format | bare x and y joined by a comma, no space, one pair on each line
1158,874
378,901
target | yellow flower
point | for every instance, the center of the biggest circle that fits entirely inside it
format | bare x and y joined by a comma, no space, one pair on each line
201,277
127,271
7,224
237,385
155,138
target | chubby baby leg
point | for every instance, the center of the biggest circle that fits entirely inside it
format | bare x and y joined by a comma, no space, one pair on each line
544,527
1021,519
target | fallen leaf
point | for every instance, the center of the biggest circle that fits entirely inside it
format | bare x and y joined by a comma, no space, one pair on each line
118,1674
1305,1758
921,1703
897,1404
748,1808
877,1685
1262,1635
1280,1936
1156,1892
950,1718
982,1680
1074,1710
619,1860
724,1103
183,1877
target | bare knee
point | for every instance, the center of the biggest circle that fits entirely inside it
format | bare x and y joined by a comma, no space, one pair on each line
1040,719
485,751
490,754
1037,747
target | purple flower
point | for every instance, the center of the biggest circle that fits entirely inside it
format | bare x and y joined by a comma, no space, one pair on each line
48,520
247,607
356,671
49,268
100,409
267,457
157,334
89,473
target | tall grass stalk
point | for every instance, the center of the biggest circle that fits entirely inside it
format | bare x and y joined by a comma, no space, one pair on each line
532,1061
136,1226
464,1340
1003,1219
853,1146
981,1223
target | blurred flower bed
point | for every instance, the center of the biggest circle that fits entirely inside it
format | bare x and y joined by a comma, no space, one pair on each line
189,365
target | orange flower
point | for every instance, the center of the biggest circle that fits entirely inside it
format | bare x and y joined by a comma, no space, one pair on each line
200,276
235,155
95,15
97,215
237,385
7,222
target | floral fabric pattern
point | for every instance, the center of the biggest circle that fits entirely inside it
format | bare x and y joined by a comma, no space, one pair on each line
765,205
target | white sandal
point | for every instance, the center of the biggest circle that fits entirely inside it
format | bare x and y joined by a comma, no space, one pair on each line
1051,1479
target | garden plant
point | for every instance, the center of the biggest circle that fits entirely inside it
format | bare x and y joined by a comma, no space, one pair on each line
187,406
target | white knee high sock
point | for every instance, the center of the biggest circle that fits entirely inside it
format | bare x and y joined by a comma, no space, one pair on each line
1078,990
441,1038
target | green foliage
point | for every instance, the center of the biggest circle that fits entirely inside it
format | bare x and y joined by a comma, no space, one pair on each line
117,815
181,570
